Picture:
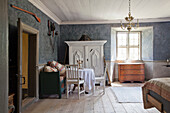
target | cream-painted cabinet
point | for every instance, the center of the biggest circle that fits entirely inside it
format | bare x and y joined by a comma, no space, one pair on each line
91,52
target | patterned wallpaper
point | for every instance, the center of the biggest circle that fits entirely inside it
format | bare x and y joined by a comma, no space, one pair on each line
160,46
74,32
154,48
45,49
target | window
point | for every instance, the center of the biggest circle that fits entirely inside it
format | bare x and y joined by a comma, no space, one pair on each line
128,46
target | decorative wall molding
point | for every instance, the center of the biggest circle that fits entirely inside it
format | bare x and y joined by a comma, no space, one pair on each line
166,19
153,69
45,10
142,61
155,61
41,64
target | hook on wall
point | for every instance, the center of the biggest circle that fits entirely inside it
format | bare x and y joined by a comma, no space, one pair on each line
52,32
51,28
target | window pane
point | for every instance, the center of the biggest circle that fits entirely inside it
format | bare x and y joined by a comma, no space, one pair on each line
133,53
134,39
122,39
121,54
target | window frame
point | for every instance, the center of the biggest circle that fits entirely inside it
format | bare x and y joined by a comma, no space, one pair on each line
128,46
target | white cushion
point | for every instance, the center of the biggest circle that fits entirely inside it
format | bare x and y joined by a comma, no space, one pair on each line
49,69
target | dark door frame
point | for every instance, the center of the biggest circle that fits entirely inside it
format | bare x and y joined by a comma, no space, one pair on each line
28,29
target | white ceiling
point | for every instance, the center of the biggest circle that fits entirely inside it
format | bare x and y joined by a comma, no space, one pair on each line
93,11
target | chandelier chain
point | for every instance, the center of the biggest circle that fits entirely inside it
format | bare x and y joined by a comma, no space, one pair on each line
129,19
129,6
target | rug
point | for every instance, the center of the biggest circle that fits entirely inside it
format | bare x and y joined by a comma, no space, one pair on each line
128,94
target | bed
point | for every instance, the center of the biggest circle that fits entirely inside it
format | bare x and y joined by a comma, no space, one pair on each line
156,93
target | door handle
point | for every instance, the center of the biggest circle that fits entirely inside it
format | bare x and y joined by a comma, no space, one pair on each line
20,78
87,59
24,80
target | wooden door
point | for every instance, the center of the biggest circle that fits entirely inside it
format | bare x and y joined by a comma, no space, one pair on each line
95,59
33,41
19,86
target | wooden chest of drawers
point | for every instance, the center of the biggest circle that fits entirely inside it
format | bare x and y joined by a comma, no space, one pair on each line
131,72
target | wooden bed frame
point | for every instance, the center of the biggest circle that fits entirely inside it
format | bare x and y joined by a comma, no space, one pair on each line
150,101
155,103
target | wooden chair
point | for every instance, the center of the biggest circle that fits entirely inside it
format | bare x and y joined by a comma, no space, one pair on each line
102,78
72,77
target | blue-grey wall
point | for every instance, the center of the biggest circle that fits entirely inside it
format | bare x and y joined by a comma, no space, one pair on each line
95,32
161,47
161,38
45,49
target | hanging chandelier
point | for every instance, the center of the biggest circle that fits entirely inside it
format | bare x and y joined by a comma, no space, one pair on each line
129,25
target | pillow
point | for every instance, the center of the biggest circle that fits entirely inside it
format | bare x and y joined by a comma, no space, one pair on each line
53,64
48,63
49,69
59,67
41,68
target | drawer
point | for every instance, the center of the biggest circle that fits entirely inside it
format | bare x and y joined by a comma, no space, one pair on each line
137,66
133,78
132,72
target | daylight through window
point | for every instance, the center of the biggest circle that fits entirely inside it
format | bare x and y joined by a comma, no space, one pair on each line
128,46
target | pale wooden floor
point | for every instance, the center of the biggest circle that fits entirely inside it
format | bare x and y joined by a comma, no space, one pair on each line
88,103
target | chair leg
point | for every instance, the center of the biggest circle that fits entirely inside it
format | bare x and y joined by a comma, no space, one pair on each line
59,95
103,86
94,89
67,90
74,88
84,87
79,91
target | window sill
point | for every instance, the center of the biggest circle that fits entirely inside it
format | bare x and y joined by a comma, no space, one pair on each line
129,61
